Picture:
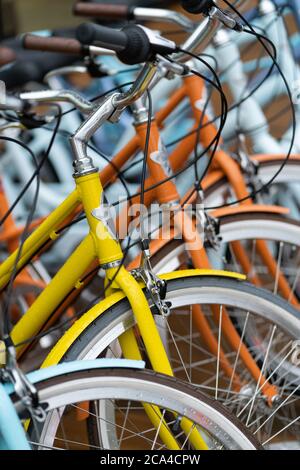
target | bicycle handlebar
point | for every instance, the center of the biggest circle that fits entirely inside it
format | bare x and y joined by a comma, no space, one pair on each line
48,96
126,13
104,10
133,44
62,45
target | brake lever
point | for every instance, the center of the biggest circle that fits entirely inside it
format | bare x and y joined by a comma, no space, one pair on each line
98,70
33,121
54,96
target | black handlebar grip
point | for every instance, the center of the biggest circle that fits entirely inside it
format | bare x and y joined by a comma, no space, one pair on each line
131,43
90,33
197,6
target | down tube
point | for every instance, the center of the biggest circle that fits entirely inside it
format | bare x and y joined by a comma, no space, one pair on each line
36,240
60,286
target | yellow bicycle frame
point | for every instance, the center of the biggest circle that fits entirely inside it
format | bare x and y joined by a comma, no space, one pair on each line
98,244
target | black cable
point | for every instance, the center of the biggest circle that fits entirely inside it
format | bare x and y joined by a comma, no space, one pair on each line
193,162
176,174
9,288
144,191
214,141
210,56
249,47
274,64
92,147
6,319
87,307
182,137
78,219
152,187
125,252
251,76
36,174
274,20
17,200
120,72
197,139
106,158
128,244
265,186
233,106
256,34
142,201
224,108
100,153
146,149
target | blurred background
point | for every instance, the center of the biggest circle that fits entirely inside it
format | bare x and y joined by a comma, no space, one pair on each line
18,16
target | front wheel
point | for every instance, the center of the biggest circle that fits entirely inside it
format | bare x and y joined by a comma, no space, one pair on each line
219,373
148,411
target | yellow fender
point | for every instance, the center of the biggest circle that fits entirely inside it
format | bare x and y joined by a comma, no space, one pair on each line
66,341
